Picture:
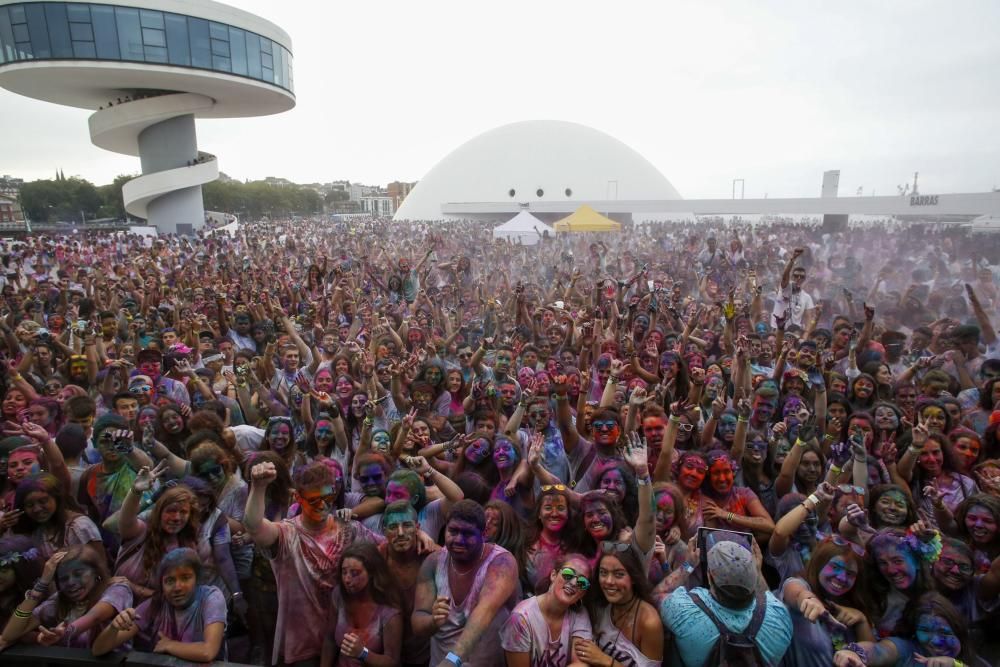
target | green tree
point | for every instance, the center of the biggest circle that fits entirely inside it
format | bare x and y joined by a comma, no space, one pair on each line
66,199
112,204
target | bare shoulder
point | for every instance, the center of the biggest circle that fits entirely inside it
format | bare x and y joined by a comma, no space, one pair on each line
649,618
428,567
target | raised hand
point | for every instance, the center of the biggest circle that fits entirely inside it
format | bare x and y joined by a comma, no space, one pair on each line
263,473
144,480
856,516
744,409
825,492
635,455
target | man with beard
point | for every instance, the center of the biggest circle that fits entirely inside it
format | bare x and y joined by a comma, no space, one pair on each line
465,593
401,527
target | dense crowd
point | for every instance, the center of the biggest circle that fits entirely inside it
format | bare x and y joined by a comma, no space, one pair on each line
372,443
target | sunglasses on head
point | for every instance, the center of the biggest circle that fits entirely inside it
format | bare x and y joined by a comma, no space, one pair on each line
610,547
569,574
550,487
850,488
841,542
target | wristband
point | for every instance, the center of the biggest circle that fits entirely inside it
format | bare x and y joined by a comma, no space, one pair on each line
799,442
454,659
643,481
364,655
688,567
675,419
814,499
835,469
41,586
561,398
742,419
729,518
854,647
20,613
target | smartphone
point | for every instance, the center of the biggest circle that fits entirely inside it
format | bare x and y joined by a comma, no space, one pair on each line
709,537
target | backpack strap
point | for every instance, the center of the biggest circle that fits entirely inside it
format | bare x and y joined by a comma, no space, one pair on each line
723,630
756,621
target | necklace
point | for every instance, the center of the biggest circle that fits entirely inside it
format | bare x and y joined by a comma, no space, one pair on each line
627,607
451,564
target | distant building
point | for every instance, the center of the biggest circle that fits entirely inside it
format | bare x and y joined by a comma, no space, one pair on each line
358,191
10,213
278,182
10,186
398,190
381,205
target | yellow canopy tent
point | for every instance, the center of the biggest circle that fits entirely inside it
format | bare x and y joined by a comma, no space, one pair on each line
586,219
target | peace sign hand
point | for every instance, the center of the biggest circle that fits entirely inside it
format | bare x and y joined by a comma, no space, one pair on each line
144,480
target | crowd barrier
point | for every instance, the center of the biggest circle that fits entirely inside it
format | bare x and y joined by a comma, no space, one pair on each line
42,656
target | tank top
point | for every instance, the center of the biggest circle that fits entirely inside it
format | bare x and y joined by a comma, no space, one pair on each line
616,644
487,651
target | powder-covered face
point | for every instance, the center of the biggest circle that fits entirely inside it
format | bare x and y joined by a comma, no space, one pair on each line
401,531
714,386
172,422
343,387
692,473
538,416
936,637
372,479
613,482
953,569
22,464
175,517
316,502
353,576
553,512
567,583
934,418
606,431
886,419
324,430
39,506
381,442
890,508
763,408
665,512
395,492
931,458
727,427
504,454
492,524
212,472
722,476
967,451
897,566
463,540
981,524
179,586
863,388
653,429
76,579
756,450
597,520
280,437
838,576
324,381
477,451
358,403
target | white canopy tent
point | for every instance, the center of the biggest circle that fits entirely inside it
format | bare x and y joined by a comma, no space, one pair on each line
523,228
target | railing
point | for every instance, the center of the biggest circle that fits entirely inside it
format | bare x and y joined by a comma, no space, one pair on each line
41,656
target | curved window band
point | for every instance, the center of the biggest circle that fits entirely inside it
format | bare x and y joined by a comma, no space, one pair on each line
71,31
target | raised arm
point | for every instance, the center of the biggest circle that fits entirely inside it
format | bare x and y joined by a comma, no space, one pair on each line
645,526
264,532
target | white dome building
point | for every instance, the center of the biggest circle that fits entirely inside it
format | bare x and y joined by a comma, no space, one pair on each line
540,165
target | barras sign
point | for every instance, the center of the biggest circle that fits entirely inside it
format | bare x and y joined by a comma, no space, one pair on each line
924,200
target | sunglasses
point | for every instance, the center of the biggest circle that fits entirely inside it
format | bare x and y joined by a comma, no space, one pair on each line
949,565
841,542
141,389
604,424
319,501
687,428
610,547
569,574
211,471
550,487
850,488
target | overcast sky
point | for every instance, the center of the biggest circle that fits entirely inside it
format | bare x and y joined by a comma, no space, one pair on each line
772,92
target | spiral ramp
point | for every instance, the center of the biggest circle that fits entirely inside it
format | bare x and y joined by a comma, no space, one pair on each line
160,130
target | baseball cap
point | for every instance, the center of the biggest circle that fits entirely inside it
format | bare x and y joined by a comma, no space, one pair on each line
732,566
